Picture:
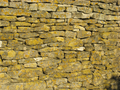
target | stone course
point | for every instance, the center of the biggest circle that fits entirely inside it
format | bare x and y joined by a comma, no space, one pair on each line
59,44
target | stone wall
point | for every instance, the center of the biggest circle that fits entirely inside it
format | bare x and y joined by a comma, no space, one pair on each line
59,44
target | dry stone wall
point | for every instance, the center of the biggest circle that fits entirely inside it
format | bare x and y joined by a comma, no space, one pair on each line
59,44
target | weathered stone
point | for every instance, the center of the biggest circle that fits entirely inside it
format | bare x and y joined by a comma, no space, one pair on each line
30,53
33,7
57,33
85,9
28,35
61,15
70,34
83,34
21,19
42,27
15,4
70,55
109,17
31,1
110,42
82,3
99,47
4,3
24,29
43,14
71,9
30,65
60,8
20,24
110,35
48,20
81,15
26,73
70,67
48,63
35,85
8,18
4,23
3,69
10,54
33,20
34,41
62,27
75,85
79,27
9,29
14,43
47,7
73,42
96,55
83,55
45,35
12,11
80,78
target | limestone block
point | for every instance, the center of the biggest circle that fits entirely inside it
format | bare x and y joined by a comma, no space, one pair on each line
34,41
33,7
83,34
35,85
27,73
82,3
3,2
61,15
73,42
85,9
47,7
30,54
15,4
4,23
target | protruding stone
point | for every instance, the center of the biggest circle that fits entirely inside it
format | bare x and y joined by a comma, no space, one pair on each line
0,43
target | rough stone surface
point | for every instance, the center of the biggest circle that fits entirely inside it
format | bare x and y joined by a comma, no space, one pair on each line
59,44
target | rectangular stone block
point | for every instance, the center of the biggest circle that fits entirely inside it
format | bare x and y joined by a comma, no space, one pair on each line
47,7
20,24
73,42
13,11
43,14
3,2
85,9
27,73
37,85
83,34
110,35
33,7
62,27
15,4
32,1
28,35
6,36
70,67
61,15
82,3
8,18
34,41
83,55
24,29
71,9
48,63
81,15
4,23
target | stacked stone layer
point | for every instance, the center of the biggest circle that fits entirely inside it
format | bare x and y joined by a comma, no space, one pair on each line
59,44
